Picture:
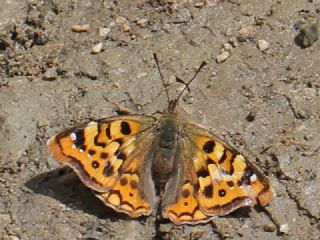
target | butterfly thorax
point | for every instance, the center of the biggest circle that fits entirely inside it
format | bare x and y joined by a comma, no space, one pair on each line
165,151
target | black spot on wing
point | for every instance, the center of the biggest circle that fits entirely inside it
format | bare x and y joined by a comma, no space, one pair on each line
79,141
104,155
222,193
203,173
91,152
134,184
208,191
95,164
209,161
108,170
120,155
223,157
185,193
108,132
123,181
125,128
96,141
208,146
119,140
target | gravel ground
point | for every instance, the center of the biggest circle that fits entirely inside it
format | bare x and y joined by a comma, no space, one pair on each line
259,91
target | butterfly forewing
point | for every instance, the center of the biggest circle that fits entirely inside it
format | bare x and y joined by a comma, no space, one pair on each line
108,156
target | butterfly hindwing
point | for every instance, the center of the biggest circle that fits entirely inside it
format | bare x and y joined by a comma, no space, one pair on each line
104,155
180,203
134,192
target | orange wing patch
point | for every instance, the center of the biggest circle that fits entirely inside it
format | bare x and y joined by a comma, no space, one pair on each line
186,209
125,197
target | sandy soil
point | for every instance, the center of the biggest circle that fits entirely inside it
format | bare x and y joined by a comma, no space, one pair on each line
263,101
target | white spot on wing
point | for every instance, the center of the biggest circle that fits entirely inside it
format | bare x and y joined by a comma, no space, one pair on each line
73,136
253,178
81,150
74,146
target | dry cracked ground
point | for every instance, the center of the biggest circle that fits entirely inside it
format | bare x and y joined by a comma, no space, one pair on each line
259,92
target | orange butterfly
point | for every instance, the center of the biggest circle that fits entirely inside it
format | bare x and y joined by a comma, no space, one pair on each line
130,160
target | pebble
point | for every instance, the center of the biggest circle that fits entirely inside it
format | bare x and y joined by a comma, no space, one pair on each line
308,35
142,22
142,75
227,47
12,237
269,227
50,74
223,56
81,28
126,27
263,45
245,33
199,4
284,228
103,32
97,48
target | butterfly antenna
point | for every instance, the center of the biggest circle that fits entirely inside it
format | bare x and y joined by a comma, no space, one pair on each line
161,76
204,63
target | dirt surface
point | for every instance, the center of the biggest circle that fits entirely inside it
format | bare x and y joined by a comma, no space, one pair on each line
263,100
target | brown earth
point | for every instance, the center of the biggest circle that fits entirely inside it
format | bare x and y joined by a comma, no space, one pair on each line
266,101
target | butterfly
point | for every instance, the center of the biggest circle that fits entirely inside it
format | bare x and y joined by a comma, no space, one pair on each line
134,163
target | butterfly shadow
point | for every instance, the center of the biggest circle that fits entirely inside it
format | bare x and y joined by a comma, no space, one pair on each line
63,185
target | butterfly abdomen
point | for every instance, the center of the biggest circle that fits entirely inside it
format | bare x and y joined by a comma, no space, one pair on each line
164,157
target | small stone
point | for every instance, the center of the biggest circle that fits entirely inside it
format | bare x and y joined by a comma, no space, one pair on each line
245,33
263,45
167,28
120,20
81,28
97,48
126,27
308,35
164,228
103,32
50,74
222,57
284,228
233,41
142,75
227,46
228,32
12,237
199,4
269,227
142,22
